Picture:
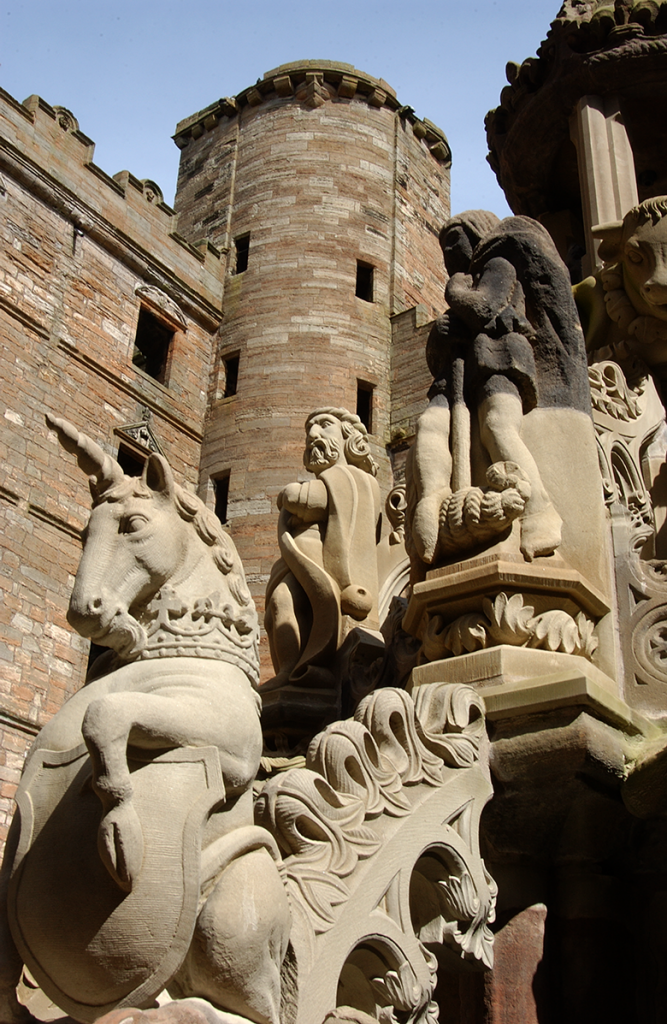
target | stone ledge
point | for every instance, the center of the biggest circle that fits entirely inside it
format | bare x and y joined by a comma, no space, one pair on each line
516,682
19,724
459,588
570,689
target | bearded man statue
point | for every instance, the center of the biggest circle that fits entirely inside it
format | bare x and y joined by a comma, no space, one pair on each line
328,531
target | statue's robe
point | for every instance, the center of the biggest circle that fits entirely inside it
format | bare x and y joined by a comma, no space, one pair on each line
334,562
521,326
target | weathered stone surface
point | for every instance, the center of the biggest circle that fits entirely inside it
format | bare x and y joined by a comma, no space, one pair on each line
80,255
514,994
615,52
327,535
136,801
510,344
335,573
626,334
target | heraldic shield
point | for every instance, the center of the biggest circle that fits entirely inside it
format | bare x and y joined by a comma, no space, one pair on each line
76,930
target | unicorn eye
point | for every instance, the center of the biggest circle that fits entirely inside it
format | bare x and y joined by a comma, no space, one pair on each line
634,255
132,524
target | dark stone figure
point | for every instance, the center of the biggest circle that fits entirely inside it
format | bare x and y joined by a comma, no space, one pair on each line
510,342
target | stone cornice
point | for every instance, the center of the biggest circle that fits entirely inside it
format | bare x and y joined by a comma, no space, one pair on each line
312,83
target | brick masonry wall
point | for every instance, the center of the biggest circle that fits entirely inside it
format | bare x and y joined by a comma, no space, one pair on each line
78,255
319,179
319,185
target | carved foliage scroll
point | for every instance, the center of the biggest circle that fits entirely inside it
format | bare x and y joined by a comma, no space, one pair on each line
509,620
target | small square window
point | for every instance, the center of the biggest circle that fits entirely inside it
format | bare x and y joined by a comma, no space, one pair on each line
364,289
365,404
151,345
242,246
221,488
130,462
231,365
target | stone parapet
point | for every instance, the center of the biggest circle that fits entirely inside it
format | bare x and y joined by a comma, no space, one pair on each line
42,147
313,82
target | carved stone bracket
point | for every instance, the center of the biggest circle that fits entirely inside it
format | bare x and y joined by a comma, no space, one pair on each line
379,835
494,600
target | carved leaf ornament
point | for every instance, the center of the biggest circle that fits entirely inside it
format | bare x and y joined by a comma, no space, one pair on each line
401,990
611,393
507,620
359,771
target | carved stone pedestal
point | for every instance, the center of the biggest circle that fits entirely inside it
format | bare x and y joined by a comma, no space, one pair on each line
535,641
499,599
291,715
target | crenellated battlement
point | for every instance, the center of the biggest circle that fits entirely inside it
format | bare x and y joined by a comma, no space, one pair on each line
313,83
43,148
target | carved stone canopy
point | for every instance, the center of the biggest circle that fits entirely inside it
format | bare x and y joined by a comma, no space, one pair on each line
591,48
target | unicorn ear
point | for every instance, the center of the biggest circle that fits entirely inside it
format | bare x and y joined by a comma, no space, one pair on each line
158,475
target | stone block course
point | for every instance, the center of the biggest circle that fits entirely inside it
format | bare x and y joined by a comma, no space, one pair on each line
68,315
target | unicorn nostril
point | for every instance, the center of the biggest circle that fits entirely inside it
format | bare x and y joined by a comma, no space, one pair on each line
96,604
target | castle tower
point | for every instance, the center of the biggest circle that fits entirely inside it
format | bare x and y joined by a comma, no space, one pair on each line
326,197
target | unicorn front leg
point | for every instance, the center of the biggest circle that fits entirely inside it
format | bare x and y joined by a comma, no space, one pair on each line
152,721
106,728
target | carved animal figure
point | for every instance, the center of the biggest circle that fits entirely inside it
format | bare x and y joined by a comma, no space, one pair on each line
624,308
172,746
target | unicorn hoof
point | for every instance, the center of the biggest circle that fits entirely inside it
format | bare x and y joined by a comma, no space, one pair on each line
120,844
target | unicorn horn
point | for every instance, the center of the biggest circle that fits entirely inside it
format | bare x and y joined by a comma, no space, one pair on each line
89,456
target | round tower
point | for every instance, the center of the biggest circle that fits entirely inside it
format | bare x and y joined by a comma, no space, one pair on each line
326,197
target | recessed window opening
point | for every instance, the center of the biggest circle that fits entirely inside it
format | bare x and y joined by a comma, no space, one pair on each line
130,462
231,364
242,246
221,488
151,345
365,404
364,289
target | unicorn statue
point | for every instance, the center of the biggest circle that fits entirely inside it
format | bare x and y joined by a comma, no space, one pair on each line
133,863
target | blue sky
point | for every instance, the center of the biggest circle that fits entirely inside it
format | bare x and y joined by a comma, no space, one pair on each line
130,70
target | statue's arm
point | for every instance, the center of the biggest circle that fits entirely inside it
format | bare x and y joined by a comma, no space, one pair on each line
478,302
308,501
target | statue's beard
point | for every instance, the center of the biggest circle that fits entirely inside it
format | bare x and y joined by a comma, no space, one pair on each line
322,453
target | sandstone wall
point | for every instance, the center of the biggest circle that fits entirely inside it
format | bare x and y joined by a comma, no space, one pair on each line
79,251
323,169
